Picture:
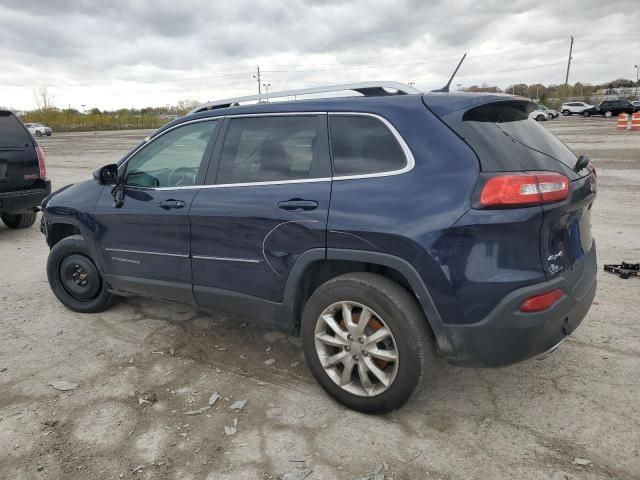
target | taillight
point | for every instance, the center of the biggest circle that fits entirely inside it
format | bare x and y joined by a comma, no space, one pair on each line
42,167
524,189
538,303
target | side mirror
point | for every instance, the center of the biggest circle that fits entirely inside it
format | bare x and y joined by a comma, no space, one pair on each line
107,175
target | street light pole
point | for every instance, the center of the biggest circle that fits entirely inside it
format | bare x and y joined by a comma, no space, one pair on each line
637,76
266,90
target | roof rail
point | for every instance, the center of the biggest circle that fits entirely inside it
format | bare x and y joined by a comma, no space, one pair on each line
368,89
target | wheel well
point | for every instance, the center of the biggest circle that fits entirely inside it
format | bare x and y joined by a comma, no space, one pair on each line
58,231
322,271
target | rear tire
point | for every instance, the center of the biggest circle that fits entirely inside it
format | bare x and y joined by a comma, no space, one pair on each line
608,114
19,220
566,113
585,114
384,371
75,279
38,133
541,118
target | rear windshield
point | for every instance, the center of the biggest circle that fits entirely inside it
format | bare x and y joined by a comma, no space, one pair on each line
505,139
12,133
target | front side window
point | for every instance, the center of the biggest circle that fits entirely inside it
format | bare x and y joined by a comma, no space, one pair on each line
363,145
271,148
173,159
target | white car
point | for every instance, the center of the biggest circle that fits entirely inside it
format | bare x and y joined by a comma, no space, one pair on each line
539,115
38,129
549,111
570,108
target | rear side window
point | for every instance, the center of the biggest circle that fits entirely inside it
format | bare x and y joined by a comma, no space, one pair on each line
506,140
363,145
272,148
12,133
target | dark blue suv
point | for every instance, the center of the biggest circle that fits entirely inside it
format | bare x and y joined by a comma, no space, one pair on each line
384,229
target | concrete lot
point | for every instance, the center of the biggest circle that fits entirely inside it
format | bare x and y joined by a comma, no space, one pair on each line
575,414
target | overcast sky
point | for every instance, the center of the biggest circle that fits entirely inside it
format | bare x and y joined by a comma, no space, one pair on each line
124,53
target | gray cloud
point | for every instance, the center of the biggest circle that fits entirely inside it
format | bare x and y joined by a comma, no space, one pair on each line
155,52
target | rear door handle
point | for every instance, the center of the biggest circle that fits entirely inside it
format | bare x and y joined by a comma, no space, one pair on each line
298,204
169,204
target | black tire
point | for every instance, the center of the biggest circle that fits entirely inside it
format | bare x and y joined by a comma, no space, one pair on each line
403,317
48,134
566,113
608,114
541,118
38,133
586,114
85,297
19,220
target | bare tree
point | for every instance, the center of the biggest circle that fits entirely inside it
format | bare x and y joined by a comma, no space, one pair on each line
184,106
44,98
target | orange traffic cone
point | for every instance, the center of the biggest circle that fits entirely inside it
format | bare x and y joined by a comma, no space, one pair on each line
623,121
635,121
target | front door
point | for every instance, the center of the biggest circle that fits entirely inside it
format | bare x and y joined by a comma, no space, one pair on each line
145,243
266,206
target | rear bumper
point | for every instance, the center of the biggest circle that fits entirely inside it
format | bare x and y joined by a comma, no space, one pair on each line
508,336
23,200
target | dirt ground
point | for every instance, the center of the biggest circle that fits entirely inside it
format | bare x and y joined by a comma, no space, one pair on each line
143,364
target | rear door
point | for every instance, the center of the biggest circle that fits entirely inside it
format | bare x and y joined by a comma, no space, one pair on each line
18,157
265,204
145,243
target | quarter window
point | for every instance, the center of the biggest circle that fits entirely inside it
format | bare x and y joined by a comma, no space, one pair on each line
276,148
363,145
173,159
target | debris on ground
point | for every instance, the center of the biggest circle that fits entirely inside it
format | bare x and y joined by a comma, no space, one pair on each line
377,472
231,430
294,364
63,385
198,411
213,399
51,423
624,270
271,361
3,369
40,468
148,399
238,405
297,474
581,461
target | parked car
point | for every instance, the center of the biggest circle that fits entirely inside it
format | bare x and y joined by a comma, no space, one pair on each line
23,174
539,114
611,108
570,108
636,103
383,229
37,129
551,114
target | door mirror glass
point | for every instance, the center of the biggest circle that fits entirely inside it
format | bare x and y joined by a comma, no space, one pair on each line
107,175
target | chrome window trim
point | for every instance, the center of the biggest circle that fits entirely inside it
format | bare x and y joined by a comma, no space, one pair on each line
409,159
180,255
226,259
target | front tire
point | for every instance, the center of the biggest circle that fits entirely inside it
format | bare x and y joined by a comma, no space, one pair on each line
19,220
38,133
566,113
585,114
75,279
608,114
541,118
374,367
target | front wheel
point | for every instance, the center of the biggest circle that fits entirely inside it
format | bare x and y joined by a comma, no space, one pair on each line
541,118
74,278
19,220
586,114
367,342
38,133
566,113
608,114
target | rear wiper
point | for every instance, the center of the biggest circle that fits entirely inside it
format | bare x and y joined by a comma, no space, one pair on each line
581,163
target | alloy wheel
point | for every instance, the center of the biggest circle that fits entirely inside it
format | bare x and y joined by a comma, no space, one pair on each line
356,348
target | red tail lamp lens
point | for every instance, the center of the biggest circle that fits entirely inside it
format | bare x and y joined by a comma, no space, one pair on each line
524,189
538,303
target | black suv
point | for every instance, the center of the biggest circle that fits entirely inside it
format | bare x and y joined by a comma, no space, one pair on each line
23,175
382,229
611,108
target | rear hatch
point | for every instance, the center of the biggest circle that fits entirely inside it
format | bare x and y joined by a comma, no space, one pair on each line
498,129
19,168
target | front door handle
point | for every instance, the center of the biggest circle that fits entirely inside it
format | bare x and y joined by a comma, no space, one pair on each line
298,204
169,204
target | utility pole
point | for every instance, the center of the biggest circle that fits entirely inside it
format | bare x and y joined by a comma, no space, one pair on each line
566,79
637,77
266,90
257,77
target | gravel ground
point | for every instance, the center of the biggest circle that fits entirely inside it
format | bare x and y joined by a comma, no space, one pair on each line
143,364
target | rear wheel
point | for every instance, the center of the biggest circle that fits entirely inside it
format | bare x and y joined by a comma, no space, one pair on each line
19,220
38,133
541,118
586,114
74,278
366,342
566,113
608,114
